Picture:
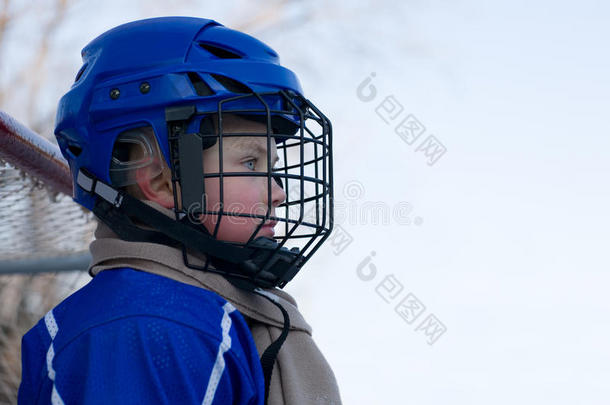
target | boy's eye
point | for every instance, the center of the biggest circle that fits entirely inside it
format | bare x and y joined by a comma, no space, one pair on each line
251,164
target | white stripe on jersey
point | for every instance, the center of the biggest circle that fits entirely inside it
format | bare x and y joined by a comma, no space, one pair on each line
219,364
52,328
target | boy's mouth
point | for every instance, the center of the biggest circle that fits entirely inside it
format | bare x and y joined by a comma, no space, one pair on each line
267,229
270,224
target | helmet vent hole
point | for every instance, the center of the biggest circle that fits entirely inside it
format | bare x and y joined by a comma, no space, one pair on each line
75,150
80,72
221,53
232,85
201,87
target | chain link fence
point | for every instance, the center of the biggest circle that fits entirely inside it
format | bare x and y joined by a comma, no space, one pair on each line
44,238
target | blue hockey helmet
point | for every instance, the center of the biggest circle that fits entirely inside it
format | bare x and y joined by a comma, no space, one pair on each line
173,74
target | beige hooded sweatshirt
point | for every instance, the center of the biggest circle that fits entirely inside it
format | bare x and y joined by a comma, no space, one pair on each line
301,374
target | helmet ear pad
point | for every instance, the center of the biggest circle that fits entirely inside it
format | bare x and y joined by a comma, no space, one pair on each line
134,149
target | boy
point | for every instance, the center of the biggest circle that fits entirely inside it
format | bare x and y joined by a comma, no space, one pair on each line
204,163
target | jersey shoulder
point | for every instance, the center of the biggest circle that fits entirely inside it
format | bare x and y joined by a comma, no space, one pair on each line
116,294
128,328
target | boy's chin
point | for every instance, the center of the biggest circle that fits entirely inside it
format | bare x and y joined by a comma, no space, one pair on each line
242,236
266,231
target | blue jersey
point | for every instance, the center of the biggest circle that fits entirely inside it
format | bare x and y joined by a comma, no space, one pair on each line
130,337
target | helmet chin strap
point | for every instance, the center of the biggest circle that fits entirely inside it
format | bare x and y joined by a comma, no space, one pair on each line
257,264
270,354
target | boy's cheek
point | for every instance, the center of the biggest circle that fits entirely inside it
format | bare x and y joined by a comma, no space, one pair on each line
233,229
240,196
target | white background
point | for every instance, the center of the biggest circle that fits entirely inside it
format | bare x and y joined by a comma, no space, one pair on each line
509,255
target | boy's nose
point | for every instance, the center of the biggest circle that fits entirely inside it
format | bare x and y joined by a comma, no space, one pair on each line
278,195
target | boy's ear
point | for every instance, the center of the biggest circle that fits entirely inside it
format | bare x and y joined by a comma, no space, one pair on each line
158,188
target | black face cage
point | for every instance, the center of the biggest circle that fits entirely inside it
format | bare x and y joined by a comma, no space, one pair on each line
303,136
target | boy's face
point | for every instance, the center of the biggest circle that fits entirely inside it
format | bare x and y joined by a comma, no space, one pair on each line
241,194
